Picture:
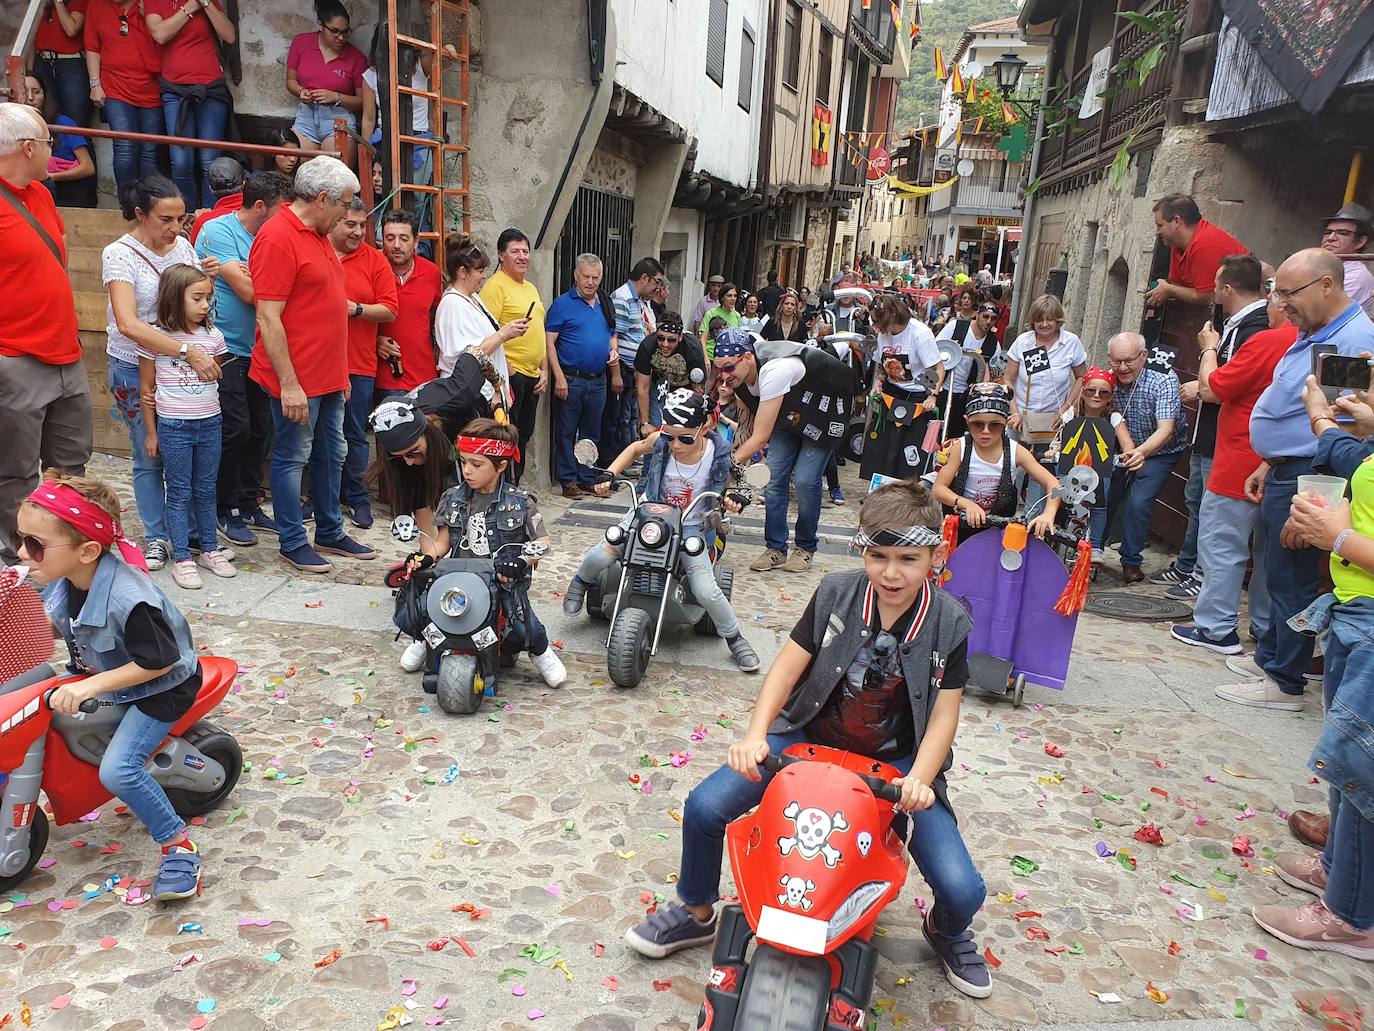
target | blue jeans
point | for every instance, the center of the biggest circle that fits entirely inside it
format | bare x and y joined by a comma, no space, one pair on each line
124,773
73,90
150,495
936,844
356,410
700,572
315,122
132,160
1293,579
578,417
207,120
620,420
1199,469
190,461
790,457
1140,495
1097,517
320,443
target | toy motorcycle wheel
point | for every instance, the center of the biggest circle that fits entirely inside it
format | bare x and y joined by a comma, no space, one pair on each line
1018,690
783,992
627,654
215,744
395,576
854,445
460,686
706,625
38,843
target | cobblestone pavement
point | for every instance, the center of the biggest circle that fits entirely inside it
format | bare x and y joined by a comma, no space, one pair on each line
375,840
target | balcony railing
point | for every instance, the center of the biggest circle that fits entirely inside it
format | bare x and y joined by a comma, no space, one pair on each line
875,25
993,193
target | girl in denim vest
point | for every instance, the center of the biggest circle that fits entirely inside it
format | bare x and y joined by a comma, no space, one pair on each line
130,641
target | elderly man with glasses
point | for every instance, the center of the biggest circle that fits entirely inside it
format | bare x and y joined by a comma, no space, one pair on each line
1348,232
1151,404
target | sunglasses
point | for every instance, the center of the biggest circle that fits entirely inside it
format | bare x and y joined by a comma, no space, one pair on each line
36,548
668,337
681,438
730,367
1097,391
410,452
123,25
884,648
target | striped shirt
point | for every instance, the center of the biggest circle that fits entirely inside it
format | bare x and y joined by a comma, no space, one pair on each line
634,320
180,392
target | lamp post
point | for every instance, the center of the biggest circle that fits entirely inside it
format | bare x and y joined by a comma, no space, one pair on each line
1007,71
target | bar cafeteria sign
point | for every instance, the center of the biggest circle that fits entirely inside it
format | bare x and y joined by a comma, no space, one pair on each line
998,220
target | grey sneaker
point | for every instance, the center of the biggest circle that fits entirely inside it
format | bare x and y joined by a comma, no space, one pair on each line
1187,590
964,965
156,554
1172,575
573,595
667,929
743,653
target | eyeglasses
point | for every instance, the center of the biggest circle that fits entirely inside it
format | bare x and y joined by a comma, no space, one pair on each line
1339,232
1097,391
35,548
411,452
1284,295
36,139
681,438
1129,361
338,33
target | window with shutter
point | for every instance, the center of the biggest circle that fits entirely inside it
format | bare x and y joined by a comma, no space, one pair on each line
791,45
746,68
715,40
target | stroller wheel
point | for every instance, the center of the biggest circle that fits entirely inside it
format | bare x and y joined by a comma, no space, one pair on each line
1018,690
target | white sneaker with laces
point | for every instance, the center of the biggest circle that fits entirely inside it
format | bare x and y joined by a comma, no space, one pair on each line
1246,666
413,658
217,563
1261,694
550,667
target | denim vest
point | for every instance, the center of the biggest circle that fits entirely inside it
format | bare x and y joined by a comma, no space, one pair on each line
504,517
95,638
657,465
1344,755
841,595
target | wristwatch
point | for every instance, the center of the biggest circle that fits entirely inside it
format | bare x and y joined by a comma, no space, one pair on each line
357,310
185,350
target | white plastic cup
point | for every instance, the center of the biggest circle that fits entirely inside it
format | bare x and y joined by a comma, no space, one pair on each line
1323,491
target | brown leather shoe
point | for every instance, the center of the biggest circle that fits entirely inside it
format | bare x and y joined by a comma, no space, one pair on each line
572,490
1309,828
1131,574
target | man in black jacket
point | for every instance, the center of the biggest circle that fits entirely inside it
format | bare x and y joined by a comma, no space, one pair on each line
770,295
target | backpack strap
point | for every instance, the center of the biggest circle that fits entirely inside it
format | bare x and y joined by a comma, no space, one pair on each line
22,210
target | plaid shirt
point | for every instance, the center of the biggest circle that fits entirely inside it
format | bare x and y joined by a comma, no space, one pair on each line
1153,396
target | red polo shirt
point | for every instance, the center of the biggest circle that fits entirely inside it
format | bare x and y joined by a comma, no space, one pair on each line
368,279
291,262
342,74
1196,265
44,325
413,328
1238,385
189,57
129,64
51,36
223,206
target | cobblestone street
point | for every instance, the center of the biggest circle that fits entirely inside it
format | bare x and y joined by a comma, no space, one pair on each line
382,862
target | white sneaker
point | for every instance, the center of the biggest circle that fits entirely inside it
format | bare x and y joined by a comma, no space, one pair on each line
217,563
1261,694
550,667
185,575
1099,556
413,658
1246,666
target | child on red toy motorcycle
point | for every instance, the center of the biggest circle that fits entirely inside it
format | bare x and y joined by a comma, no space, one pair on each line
132,641
876,666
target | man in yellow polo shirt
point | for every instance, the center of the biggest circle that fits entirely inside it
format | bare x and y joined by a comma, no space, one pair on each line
508,295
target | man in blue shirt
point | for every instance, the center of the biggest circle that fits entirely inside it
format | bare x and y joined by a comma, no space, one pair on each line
582,344
634,320
1311,288
247,419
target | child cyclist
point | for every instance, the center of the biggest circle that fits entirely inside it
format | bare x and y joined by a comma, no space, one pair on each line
682,460
978,478
831,686
131,640
479,517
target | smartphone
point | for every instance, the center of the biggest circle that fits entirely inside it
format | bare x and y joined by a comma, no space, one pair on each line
1335,370
530,312
1218,318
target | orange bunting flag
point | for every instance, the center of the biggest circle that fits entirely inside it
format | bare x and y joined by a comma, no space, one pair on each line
868,4
939,65
956,81
978,125
915,31
896,15
1008,115
972,91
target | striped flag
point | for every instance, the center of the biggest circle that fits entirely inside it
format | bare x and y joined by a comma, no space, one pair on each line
896,15
915,30
1008,115
972,91
939,65
956,81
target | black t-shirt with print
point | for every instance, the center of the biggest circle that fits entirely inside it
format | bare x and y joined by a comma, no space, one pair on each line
673,371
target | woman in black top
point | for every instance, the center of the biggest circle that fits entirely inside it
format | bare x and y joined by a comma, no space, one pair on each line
787,323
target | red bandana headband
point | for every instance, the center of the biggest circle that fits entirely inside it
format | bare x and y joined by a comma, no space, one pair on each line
1105,375
488,447
93,521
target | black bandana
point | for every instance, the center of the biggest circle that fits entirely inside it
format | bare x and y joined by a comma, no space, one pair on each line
397,424
907,537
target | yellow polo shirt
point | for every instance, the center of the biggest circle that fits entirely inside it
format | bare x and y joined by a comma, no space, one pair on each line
1350,580
507,301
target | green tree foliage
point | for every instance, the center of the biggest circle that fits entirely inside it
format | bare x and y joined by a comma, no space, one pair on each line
942,23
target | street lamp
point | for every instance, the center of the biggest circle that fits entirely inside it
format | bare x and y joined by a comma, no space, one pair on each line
1008,69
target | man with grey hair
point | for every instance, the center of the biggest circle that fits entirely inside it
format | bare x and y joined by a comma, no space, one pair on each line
301,359
582,345
1151,404
45,401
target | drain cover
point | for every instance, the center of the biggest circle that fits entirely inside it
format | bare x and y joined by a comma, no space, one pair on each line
1142,607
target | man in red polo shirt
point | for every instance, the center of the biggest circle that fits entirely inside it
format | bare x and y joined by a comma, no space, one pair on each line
406,353
45,401
371,292
1196,249
301,359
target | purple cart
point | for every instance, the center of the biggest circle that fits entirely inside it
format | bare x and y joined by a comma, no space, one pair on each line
1017,636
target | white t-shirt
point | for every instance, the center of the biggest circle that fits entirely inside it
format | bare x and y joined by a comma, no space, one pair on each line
778,376
460,324
419,106
971,345
128,261
916,343
682,483
984,478
1049,387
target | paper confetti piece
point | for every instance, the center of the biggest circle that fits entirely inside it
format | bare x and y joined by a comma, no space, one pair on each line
1107,997
1240,1009
441,1002
1076,949
663,984
324,961
61,1002
393,1019
610,982
1023,867
186,960
535,1015
1156,994
1241,846
1149,834
206,1005
108,943
1175,948
1261,954
1183,879
1053,750
554,889
409,986
990,959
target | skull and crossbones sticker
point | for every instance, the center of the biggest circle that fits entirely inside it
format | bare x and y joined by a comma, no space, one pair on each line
794,894
814,827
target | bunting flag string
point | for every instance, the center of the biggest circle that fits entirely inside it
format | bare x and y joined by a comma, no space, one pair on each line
939,65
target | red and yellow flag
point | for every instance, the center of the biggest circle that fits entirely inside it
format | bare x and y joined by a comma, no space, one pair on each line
956,81
939,65
972,94
868,4
1008,115
915,30
896,15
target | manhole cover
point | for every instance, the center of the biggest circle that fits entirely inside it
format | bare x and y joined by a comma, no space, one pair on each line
1143,607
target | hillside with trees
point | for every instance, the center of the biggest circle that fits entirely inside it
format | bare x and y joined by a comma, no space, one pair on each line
942,23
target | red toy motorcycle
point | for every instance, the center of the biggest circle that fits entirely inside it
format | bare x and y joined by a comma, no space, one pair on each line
815,864
198,765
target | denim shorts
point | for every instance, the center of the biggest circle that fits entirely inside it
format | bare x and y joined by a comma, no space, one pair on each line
315,122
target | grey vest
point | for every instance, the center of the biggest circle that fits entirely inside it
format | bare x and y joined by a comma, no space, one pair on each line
946,626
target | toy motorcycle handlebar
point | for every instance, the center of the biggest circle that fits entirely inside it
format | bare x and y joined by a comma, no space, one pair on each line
1058,536
87,705
880,788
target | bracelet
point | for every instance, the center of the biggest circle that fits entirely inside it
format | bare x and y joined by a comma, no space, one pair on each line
1205,350
1341,539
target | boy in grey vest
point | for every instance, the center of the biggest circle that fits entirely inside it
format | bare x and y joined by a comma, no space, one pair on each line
876,666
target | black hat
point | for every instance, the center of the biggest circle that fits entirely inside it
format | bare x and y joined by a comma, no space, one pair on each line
1352,212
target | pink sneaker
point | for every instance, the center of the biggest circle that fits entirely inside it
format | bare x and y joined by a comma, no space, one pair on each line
1313,926
218,563
185,575
1302,871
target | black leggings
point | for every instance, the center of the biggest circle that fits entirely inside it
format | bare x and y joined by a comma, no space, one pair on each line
524,409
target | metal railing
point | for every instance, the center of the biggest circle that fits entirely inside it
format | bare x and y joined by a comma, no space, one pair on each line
993,192
1134,109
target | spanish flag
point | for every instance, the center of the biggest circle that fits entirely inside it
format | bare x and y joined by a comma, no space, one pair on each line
896,15
1008,115
972,91
956,81
868,4
915,30
939,65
